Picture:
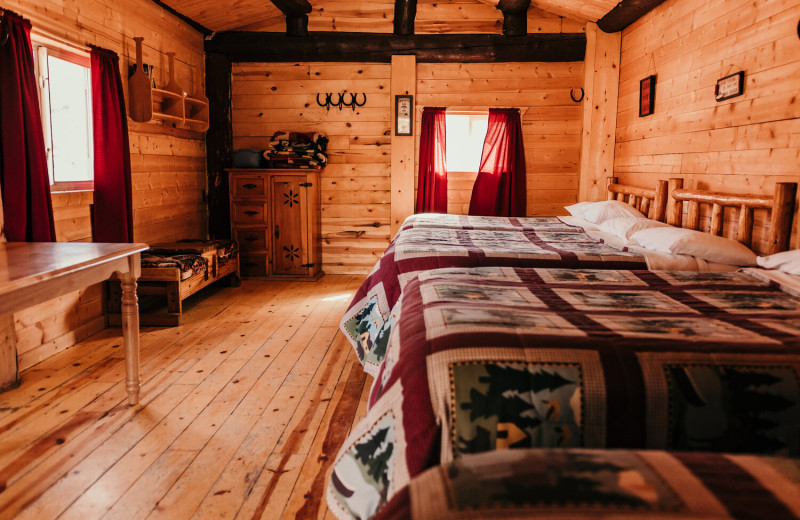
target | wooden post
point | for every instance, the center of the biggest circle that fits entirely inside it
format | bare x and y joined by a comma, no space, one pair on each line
780,226
219,143
601,88
693,215
405,12
404,79
745,233
674,207
660,201
130,327
609,182
296,13
717,218
515,16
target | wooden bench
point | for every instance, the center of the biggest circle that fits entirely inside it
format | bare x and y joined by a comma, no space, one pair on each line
170,283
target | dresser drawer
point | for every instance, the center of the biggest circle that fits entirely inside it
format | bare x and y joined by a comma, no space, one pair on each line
251,239
247,187
249,213
253,265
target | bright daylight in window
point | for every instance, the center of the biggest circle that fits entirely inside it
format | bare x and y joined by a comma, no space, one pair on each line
465,135
65,97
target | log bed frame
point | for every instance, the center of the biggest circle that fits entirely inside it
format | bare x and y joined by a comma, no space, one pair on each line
665,203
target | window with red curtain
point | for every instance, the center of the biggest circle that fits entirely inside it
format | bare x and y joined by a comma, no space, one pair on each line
23,162
113,216
432,183
500,189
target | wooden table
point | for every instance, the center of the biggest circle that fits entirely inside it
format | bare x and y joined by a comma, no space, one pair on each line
35,272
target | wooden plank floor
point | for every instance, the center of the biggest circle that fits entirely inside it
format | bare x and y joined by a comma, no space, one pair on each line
242,410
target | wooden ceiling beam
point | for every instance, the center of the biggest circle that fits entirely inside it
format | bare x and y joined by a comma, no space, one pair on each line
405,12
379,48
515,16
296,12
625,13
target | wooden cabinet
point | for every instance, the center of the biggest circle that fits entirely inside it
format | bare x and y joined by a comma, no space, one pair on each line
275,217
169,104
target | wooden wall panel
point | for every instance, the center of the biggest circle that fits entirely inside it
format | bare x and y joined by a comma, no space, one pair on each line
551,122
271,97
168,165
744,144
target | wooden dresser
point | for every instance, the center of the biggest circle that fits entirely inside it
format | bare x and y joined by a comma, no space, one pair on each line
275,217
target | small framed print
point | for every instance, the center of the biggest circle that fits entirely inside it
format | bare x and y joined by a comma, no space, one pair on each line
647,96
403,114
730,86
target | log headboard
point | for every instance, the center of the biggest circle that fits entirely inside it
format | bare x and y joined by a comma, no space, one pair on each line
780,205
650,201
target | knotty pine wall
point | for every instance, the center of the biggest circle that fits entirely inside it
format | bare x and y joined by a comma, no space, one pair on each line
271,97
742,145
168,165
551,122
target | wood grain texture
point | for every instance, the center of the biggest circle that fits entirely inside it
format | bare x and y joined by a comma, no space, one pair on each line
168,165
257,379
745,144
404,82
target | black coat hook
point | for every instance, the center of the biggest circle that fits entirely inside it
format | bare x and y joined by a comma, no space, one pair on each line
572,95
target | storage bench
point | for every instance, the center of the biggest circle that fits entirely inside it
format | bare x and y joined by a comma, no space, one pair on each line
174,271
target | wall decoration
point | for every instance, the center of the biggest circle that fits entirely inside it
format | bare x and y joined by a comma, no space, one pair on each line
647,96
403,114
572,95
340,102
730,86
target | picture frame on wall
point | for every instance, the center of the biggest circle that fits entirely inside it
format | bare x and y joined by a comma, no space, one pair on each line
403,114
729,86
647,96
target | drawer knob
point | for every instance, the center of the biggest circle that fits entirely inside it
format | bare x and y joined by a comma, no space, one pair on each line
249,186
250,212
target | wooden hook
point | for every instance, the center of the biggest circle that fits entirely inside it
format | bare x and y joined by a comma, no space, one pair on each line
572,95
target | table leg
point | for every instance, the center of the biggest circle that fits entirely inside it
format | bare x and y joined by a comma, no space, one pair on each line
130,334
8,353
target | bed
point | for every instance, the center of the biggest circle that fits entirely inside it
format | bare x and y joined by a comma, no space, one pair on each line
506,357
436,241
602,484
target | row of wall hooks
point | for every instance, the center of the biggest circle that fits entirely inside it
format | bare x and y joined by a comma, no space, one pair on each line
340,102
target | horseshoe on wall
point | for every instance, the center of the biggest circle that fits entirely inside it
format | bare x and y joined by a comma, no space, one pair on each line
572,95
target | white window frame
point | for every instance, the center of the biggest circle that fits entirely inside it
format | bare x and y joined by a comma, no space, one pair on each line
459,112
43,47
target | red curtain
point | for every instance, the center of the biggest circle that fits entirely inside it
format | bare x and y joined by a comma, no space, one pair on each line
113,218
499,189
432,185
23,162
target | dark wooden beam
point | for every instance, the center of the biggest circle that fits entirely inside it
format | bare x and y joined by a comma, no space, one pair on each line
515,17
296,12
197,26
405,12
379,48
219,143
625,13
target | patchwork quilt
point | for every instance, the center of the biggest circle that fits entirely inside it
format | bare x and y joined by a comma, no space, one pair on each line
575,483
547,244
492,358
448,221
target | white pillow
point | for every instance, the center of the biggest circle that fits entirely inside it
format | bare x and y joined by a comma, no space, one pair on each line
598,212
680,241
624,227
787,261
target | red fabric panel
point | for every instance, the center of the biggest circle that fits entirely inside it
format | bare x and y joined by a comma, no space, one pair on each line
499,189
432,185
23,160
113,216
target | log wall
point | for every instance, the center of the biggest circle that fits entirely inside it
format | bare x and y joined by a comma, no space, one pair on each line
741,145
168,165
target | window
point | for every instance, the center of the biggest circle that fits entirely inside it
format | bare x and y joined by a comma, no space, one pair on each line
65,83
465,135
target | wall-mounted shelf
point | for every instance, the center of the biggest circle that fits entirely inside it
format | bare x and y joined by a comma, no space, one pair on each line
169,104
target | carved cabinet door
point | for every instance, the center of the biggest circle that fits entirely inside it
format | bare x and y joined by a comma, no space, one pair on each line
289,225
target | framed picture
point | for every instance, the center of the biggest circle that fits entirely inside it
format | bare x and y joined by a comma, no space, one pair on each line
403,115
730,86
647,96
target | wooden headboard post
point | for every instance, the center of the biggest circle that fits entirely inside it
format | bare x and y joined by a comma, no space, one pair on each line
780,223
609,181
660,201
651,202
674,207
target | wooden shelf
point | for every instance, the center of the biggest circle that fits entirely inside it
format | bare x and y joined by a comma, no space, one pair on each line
170,104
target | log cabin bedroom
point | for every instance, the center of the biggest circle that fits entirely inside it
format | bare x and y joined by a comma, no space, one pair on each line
399,259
